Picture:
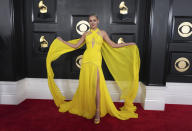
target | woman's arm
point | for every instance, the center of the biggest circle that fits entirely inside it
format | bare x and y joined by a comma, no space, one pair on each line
113,44
74,45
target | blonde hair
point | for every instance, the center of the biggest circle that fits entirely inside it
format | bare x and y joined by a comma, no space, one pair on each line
93,14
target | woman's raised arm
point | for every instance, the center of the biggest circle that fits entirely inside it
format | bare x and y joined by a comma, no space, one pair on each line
113,44
74,45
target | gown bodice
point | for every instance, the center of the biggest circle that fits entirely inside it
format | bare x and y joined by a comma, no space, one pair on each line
94,43
94,40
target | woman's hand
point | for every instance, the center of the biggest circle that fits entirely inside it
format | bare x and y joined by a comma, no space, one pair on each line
113,44
130,43
59,38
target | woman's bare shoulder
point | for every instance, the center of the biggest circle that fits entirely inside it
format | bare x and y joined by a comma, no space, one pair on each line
103,32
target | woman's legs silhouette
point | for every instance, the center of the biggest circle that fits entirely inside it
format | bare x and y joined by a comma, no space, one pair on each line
97,115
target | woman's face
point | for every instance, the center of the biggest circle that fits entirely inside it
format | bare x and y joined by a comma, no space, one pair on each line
93,22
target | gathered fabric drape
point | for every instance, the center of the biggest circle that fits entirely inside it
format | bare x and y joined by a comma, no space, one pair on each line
123,64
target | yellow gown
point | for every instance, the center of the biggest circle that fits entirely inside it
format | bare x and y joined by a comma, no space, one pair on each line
124,65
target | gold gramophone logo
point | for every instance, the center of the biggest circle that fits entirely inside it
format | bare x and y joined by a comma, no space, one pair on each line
182,64
82,26
78,61
43,41
120,40
123,8
42,7
185,29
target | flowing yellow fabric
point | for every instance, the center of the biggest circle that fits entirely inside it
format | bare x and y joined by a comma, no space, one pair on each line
123,63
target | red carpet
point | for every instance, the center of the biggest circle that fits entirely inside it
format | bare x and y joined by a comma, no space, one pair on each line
42,115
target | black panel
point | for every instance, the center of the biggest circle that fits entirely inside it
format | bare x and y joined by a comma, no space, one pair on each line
78,21
180,67
185,63
179,23
11,40
40,47
19,46
156,47
6,36
183,47
143,41
44,11
62,66
180,42
129,17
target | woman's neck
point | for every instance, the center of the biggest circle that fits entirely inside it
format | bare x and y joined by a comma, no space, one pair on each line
94,28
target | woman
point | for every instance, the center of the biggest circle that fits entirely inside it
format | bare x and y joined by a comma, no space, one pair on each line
92,98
